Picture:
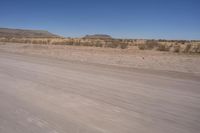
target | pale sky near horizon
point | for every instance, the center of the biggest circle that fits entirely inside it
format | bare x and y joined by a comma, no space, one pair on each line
148,19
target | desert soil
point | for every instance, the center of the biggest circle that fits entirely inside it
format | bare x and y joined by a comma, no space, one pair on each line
45,95
132,57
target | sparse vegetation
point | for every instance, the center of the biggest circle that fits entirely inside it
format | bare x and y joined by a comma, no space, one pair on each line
148,45
141,46
187,48
163,47
32,37
176,48
123,45
111,44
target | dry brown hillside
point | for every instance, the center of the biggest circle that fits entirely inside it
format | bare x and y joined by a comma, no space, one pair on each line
21,33
98,36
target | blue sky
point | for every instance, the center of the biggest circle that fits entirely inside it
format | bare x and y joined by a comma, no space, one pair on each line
153,19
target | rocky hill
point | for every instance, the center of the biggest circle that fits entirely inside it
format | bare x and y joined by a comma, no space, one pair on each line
97,36
21,33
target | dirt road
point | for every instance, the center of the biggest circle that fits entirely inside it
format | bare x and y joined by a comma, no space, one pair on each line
43,95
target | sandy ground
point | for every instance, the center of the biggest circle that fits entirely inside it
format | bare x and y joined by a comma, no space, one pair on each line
45,95
132,57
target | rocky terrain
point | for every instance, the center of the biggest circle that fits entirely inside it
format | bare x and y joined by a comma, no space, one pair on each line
97,36
22,33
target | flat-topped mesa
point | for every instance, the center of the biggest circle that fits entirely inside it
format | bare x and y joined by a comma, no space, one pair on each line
98,36
22,33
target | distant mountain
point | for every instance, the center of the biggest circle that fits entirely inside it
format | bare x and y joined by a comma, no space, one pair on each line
19,33
97,36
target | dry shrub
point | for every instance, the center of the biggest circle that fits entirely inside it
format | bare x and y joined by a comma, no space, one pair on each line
69,41
76,44
63,42
87,43
111,44
141,46
195,48
114,45
151,44
198,48
148,45
163,47
123,45
27,40
98,44
176,48
187,48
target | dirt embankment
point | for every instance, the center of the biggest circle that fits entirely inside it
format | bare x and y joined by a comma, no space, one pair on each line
131,57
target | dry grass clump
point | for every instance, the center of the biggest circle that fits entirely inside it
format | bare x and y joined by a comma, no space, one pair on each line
175,46
163,47
27,40
187,48
115,44
123,46
195,48
111,44
98,44
148,45
159,45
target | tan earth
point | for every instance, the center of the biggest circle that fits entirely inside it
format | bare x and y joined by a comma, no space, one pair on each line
132,57
62,89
